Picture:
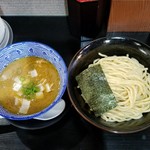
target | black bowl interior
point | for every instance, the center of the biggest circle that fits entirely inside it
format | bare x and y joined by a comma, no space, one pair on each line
85,56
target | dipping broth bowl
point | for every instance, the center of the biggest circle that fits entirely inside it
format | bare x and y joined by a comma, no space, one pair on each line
28,48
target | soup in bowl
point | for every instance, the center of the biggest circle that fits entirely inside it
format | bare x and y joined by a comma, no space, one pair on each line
33,78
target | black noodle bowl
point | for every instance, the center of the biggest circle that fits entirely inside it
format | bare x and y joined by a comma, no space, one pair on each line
119,46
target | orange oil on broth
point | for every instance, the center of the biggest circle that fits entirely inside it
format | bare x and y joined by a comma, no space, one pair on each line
46,73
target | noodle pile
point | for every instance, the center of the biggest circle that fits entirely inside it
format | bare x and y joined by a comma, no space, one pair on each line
130,83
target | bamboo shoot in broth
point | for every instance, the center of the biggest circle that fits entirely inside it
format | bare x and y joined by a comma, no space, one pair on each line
28,85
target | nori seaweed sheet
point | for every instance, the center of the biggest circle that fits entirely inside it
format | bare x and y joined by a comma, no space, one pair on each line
95,90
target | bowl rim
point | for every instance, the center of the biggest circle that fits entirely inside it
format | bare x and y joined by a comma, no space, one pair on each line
80,112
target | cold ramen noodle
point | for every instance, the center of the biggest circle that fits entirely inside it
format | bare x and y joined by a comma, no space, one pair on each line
28,85
116,88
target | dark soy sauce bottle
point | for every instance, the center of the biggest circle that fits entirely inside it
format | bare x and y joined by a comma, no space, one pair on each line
88,18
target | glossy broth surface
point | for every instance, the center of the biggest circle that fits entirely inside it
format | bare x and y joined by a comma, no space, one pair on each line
28,85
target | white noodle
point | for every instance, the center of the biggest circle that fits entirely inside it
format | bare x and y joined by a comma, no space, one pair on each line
130,83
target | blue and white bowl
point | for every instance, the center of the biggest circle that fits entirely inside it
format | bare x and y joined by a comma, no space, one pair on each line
24,49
